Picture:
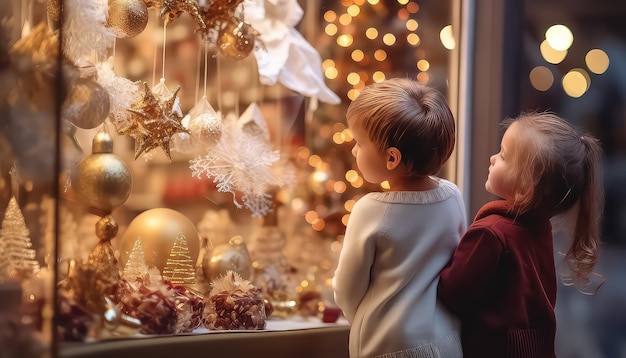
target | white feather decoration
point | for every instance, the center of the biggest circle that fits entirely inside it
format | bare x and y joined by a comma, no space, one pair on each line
84,31
122,93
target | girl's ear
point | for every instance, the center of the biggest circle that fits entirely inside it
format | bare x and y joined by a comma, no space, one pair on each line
394,158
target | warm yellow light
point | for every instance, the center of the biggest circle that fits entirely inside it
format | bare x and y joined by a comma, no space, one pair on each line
310,216
327,63
353,78
331,29
340,187
353,10
412,25
378,76
353,94
597,61
331,73
413,39
389,39
352,176
357,55
541,78
338,138
373,2
330,16
338,126
297,204
403,2
319,176
423,65
559,37
423,77
344,220
576,82
358,183
344,40
371,33
380,55
412,7
345,19
315,160
403,14
318,225
447,37
347,135
349,204
551,55
303,152
385,185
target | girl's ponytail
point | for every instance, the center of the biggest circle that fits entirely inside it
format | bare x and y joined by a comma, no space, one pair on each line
583,253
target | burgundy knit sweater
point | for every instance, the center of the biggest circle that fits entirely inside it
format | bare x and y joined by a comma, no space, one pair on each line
501,282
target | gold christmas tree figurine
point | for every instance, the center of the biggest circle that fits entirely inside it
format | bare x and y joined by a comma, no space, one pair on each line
179,266
136,264
17,258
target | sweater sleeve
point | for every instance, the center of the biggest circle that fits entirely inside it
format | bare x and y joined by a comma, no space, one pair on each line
471,270
352,276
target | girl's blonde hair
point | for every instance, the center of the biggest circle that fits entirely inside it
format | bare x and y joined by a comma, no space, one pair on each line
410,116
554,168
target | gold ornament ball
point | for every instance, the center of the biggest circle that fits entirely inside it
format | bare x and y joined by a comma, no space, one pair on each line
103,181
127,18
87,104
158,229
233,256
106,228
236,41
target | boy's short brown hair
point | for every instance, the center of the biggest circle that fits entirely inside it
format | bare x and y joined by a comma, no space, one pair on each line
410,116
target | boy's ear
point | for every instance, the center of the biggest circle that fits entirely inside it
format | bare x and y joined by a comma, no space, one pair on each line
394,158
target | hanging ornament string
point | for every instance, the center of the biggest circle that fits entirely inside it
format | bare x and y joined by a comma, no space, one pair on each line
198,61
219,84
279,119
164,42
206,65
154,56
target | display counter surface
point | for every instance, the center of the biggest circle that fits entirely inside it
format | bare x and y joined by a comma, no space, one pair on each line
284,338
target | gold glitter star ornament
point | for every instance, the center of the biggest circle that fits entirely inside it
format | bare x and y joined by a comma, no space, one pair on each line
154,120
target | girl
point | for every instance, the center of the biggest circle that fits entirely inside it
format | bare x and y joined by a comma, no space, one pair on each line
397,242
501,280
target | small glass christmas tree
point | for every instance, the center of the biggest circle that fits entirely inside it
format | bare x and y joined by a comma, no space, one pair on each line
136,264
17,258
179,267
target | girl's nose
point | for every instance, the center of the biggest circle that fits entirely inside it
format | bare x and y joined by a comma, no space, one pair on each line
354,151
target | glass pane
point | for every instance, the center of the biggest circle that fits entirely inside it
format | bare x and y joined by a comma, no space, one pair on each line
574,63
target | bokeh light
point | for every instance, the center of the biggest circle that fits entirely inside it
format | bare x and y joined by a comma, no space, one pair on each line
550,54
447,37
541,78
576,82
597,61
559,37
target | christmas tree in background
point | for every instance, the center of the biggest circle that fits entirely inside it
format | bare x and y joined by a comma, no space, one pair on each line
17,258
179,266
136,263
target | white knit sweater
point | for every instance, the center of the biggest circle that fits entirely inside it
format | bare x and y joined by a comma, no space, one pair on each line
395,245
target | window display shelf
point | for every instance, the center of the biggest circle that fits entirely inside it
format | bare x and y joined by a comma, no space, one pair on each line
284,338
